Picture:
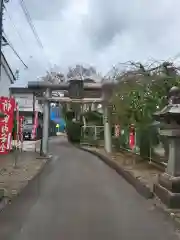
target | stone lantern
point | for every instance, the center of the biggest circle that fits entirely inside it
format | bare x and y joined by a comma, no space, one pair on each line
168,186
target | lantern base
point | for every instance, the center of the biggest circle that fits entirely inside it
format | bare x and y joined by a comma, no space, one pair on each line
168,190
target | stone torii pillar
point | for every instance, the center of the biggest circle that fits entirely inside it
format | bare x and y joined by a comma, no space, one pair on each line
46,118
107,93
107,130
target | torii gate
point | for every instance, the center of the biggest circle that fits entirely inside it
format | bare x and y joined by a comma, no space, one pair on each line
79,92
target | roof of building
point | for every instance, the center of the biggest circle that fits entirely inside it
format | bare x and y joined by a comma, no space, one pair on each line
22,90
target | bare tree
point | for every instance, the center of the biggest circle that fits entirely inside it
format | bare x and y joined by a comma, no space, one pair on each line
79,71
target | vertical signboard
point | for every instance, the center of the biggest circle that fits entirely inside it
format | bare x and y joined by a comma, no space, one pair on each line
35,125
20,130
117,130
7,106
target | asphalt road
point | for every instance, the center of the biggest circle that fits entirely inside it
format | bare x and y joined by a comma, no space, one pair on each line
78,197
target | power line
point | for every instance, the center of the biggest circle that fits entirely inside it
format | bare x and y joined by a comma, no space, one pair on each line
29,20
13,24
28,17
15,52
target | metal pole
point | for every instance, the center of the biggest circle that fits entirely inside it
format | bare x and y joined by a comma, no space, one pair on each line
46,116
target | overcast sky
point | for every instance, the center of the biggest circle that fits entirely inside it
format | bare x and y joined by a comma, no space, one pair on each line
92,32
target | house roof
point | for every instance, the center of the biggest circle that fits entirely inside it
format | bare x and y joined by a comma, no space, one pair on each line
7,68
23,90
20,90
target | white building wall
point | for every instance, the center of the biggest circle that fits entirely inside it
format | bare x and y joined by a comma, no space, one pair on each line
25,102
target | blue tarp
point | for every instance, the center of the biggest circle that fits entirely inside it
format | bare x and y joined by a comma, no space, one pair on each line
55,115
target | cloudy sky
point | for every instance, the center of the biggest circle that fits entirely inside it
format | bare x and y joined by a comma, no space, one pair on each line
92,32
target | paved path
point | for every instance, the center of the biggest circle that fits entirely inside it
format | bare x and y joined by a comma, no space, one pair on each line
78,197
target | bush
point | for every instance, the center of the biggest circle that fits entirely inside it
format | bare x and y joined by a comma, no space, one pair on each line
94,117
121,142
73,130
69,115
116,143
147,138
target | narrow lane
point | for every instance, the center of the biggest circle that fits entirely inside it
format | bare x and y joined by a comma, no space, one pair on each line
78,197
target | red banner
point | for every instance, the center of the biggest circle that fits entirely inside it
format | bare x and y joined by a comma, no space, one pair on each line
132,137
117,130
35,125
7,106
16,133
21,123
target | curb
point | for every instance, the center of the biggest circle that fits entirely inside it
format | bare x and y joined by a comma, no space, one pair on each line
141,188
167,214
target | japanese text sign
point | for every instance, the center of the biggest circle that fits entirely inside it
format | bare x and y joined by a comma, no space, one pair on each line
21,123
7,106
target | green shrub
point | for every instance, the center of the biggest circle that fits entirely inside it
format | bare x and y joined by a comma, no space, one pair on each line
69,115
116,143
120,142
73,130
147,138
94,117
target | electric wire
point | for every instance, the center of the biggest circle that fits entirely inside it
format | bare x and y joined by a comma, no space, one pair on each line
13,24
13,49
30,22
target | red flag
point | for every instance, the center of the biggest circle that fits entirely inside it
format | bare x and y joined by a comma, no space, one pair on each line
7,106
117,130
35,125
20,131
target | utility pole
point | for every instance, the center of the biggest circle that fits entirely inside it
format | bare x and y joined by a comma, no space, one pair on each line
1,30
